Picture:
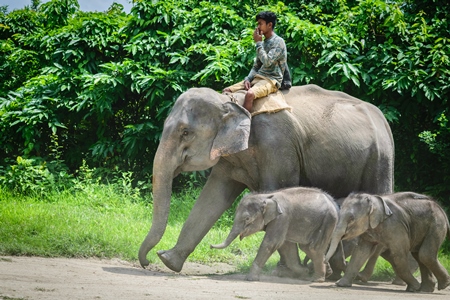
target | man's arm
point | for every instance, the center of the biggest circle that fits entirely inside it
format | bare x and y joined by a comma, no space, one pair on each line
257,37
256,66
275,53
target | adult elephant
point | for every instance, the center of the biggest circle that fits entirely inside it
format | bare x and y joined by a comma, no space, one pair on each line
328,140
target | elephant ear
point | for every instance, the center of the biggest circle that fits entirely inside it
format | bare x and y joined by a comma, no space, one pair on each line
233,133
379,211
271,209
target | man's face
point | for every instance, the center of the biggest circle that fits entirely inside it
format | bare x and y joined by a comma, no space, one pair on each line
263,27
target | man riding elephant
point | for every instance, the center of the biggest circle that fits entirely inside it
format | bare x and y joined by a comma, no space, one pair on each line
266,76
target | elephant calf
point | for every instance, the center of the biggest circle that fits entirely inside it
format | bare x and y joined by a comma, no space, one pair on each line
400,224
306,216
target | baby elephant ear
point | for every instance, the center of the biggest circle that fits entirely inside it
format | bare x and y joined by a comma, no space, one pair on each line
271,209
233,133
379,211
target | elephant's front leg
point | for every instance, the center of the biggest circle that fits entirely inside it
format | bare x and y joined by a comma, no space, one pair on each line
370,265
359,256
217,196
271,242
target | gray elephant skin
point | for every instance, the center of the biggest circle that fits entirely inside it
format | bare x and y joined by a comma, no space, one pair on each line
401,223
329,140
305,216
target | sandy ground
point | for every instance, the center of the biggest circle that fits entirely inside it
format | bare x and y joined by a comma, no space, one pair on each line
61,278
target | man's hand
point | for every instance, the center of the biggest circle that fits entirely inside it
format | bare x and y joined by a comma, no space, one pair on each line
257,35
247,85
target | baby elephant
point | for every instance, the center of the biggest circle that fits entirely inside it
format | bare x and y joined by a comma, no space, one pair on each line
305,216
400,224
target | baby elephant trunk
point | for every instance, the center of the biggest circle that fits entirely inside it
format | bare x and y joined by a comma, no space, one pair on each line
231,237
335,241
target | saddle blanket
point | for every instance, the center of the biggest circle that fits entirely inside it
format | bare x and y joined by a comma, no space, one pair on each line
270,104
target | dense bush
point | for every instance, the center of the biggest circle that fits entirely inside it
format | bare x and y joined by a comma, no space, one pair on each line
101,84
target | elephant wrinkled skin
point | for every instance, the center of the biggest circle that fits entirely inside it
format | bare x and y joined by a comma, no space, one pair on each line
305,216
330,140
400,224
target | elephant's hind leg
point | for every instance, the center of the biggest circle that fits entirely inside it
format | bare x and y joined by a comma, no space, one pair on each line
427,285
317,258
290,264
428,257
399,262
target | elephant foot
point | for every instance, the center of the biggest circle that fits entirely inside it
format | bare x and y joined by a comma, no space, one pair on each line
171,259
443,284
413,287
318,278
252,277
334,277
427,287
284,271
363,277
255,270
344,282
398,281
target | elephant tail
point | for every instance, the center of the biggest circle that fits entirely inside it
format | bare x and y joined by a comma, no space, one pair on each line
448,229
448,223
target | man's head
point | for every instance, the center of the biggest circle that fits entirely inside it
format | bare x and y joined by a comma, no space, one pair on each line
268,17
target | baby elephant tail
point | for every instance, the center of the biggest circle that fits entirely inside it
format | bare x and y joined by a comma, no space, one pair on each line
448,224
448,230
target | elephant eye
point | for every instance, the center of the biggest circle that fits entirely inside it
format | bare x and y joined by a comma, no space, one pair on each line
186,135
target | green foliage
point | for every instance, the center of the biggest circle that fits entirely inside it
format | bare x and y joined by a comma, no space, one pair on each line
28,177
103,83
57,12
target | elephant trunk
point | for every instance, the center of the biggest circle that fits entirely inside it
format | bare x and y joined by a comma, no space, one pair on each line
163,175
231,237
335,240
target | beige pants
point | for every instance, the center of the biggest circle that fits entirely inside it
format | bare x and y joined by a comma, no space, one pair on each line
261,86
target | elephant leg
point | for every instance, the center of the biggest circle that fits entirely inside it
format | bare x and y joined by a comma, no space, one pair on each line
378,179
359,256
337,263
399,262
427,256
412,267
270,243
217,196
290,264
427,285
317,258
365,274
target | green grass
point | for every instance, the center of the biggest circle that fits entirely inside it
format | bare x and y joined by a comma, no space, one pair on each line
98,221
103,221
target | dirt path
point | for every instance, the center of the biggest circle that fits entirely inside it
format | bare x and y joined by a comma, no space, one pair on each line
59,278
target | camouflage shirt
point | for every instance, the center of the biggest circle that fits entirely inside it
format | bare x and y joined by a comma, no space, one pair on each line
270,59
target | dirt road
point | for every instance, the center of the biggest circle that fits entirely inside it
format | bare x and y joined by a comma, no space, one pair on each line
59,278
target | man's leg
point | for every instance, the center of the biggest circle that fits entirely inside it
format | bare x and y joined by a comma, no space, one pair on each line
234,88
249,97
260,88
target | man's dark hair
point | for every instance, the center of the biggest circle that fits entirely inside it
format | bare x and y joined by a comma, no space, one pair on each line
267,16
